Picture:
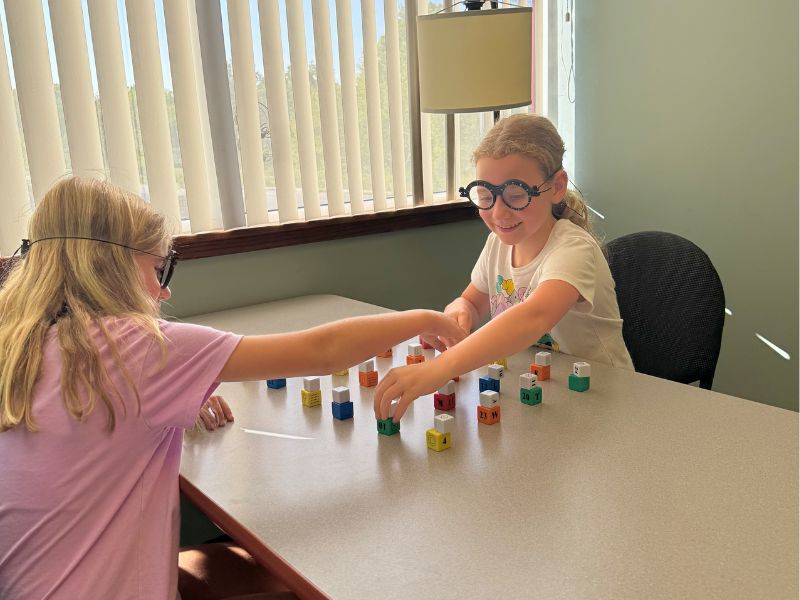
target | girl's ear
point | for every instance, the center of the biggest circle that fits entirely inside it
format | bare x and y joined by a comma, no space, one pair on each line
559,186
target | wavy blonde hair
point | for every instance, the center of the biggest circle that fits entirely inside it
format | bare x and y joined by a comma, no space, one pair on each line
74,284
535,137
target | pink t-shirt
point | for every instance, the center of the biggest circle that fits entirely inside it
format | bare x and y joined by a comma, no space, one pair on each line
87,513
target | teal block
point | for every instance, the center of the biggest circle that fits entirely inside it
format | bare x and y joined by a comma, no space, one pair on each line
532,396
578,384
387,427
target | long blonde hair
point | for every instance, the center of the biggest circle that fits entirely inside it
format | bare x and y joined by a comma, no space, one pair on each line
535,137
75,283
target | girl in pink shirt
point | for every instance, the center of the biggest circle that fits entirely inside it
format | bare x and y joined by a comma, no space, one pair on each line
96,391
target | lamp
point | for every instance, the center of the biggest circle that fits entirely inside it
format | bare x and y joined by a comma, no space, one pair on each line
476,60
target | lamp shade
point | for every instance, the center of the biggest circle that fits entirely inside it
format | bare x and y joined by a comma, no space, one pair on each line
475,61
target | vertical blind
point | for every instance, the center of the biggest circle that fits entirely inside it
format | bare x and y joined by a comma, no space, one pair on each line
116,89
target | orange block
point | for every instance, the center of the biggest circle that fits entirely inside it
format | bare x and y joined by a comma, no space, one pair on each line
542,372
412,360
488,416
385,354
368,379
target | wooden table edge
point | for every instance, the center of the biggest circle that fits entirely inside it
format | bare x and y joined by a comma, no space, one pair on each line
294,580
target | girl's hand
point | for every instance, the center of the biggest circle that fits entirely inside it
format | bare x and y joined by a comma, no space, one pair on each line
215,413
443,332
407,384
462,312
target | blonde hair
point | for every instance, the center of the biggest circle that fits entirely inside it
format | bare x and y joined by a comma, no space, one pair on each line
536,138
75,283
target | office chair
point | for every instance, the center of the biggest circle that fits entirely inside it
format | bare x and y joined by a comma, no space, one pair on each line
672,305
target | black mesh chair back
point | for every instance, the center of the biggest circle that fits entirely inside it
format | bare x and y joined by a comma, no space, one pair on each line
672,305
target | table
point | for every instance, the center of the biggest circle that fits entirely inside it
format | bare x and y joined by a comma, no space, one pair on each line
637,488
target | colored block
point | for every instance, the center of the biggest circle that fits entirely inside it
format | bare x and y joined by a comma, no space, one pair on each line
488,416
495,371
342,410
487,383
578,384
276,384
532,396
500,361
542,372
413,360
437,440
341,394
527,381
342,372
582,369
311,384
425,345
489,399
443,423
444,401
369,379
385,354
311,397
387,427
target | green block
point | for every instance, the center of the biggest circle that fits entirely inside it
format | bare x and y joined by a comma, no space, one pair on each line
532,396
387,427
578,384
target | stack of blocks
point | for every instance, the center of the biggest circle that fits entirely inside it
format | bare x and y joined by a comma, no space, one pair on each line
387,426
579,378
310,393
367,375
529,392
341,406
415,354
276,384
441,435
541,365
489,407
491,381
445,398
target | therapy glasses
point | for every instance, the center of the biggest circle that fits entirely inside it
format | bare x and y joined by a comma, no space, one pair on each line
516,194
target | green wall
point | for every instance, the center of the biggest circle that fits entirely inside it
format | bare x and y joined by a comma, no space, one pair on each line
414,268
687,121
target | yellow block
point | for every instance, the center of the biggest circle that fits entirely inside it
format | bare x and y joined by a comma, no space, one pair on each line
437,440
342,372
311,398
500,361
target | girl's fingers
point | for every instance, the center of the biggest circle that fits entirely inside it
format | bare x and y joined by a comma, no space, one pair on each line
209,423
223,409
392,392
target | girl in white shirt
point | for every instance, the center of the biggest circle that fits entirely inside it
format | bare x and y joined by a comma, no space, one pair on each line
541,271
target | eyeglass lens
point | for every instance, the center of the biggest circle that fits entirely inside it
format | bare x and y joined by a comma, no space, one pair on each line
513,195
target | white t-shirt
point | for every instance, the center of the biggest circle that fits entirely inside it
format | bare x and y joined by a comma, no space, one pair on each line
592,329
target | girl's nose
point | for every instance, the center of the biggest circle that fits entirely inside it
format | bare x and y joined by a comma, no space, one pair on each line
165,294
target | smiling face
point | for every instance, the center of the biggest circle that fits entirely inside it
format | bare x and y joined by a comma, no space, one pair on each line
526,230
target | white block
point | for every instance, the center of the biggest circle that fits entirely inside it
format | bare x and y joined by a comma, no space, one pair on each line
527,381
443,423
367,366
543,359
415,349
341,394
448,388
392,408
311,384
495,371
489,398
582,369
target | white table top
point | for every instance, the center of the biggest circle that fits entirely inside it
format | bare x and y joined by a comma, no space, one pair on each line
637,488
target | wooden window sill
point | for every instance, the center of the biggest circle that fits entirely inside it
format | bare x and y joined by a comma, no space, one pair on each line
264,237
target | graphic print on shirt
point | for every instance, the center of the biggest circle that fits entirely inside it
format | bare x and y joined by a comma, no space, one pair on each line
507,295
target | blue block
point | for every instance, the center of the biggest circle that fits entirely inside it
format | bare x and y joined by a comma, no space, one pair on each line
342,410
487,383
276,384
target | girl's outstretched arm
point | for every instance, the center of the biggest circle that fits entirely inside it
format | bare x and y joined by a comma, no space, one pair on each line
333,346
510,332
